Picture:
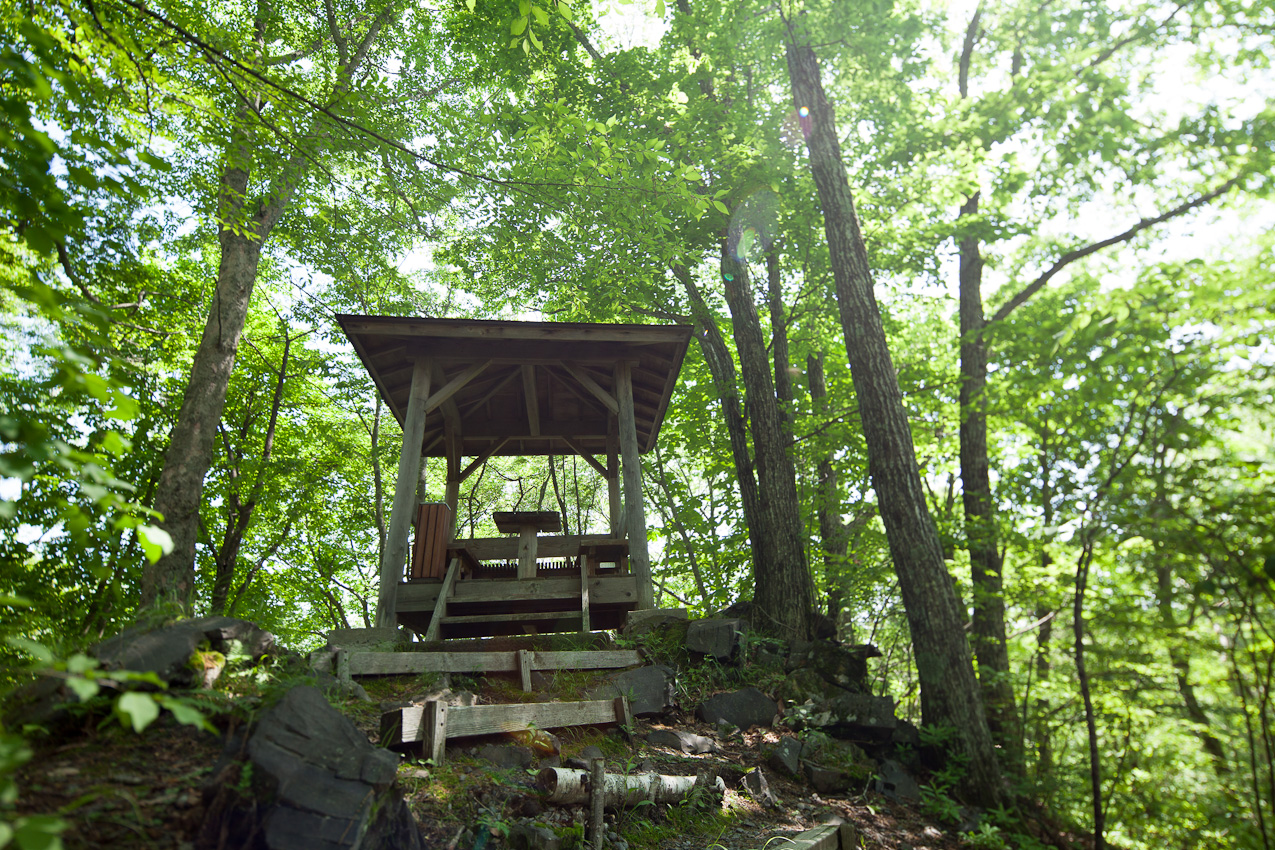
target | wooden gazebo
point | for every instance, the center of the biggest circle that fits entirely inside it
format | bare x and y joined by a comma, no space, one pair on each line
468,390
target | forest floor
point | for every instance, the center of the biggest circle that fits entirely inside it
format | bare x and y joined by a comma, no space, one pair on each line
119,789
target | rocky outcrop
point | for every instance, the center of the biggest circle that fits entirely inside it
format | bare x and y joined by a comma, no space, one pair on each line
306,779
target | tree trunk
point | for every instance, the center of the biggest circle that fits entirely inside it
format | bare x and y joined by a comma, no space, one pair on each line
722,367
784,595
833,535
988,627
949,689
243,233
181,484
1082,677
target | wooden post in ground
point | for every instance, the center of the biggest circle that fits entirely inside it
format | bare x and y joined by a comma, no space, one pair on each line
597,803
403,510
434,727
635,509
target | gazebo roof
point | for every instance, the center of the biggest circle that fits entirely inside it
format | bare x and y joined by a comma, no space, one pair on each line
521,388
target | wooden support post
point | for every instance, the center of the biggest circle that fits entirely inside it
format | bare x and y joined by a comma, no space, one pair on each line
635,511
613,476
585,625
527,551
434,727
524,669
597,803
624,715
403,510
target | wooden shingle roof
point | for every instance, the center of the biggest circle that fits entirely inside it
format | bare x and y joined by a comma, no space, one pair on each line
521,388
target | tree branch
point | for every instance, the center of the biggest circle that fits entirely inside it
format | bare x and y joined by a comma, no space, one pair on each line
1080,253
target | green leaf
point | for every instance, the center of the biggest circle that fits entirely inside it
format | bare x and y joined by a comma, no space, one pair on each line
39,832
41,652
137,710
155,541
186,714
85,689
721,207
518,26
541,15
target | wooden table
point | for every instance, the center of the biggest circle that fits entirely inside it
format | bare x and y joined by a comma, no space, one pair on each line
527,524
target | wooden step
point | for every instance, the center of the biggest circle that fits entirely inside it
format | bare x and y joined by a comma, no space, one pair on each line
510,618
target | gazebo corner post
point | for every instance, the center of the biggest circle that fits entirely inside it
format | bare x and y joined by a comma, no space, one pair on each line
635,508
394,558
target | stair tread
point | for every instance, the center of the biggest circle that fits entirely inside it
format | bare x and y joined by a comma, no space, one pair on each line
512,618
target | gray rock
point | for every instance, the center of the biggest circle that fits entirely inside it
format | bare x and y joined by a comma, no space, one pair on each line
684,742
526,836
317,784
650,689
166,651
507,756
744,708
754,782
843,666
591,752
825,780
785,757
894,782
866,713
718,638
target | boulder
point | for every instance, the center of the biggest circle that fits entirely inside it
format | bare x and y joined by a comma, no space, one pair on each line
718,637
755,785
894,782
825,780
863,715
684,742
316,784
744,708
527,836
649,689
507,756
785,758
843,666
166,651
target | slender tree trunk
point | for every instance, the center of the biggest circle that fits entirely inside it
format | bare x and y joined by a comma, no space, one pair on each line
833,534
784,594
722,367
949,689
988,627
1082,676
242,235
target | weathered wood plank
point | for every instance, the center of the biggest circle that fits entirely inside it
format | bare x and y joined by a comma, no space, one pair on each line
491,719
635,511
603,590
510,618
403,663
826,837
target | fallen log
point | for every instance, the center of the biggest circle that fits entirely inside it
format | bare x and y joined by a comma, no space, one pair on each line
566,786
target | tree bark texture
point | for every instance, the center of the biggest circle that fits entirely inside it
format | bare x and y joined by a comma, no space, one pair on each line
988,627
949,689
784,595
